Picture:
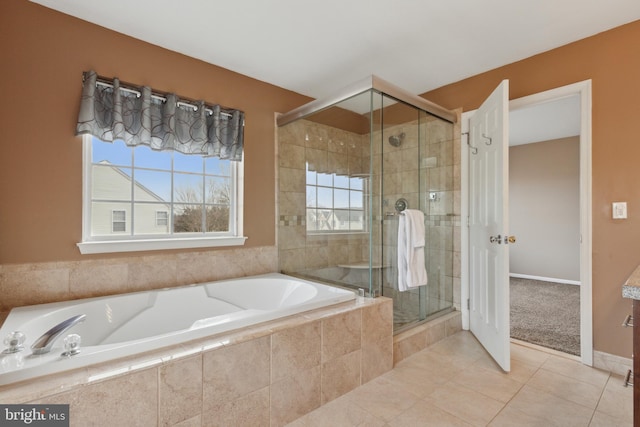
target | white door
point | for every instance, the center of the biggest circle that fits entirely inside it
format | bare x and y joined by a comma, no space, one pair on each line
488,225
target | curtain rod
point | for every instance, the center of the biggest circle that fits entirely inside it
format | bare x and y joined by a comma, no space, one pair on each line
160,96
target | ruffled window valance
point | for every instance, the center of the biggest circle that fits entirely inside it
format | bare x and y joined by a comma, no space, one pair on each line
137,115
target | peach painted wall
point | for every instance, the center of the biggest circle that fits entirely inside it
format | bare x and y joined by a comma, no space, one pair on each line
43,54
612,61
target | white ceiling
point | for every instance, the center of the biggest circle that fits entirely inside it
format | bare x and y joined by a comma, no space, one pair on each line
315,47
545,121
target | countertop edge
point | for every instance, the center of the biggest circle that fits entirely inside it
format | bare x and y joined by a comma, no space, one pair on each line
631,288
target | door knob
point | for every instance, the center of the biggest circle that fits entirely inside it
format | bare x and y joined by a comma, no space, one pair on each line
510,239
495,239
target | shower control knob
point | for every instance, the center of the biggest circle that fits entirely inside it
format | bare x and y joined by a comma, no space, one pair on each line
72,345
401,204
14,342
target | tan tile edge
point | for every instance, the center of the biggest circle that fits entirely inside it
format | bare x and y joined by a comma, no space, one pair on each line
446,319
610,362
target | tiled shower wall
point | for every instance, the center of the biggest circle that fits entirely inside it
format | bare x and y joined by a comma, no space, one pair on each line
326,149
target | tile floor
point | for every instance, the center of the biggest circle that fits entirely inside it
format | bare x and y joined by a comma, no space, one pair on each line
455,383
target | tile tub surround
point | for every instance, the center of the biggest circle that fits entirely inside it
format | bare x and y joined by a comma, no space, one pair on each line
38,283
270,374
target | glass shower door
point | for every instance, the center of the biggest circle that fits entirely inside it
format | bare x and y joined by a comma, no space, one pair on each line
343,170
400,151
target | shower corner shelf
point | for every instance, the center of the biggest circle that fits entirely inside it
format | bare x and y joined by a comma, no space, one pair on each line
362,266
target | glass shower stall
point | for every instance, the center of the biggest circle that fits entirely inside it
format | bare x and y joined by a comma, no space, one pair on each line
348,166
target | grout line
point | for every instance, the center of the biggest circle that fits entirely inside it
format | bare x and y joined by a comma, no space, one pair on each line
599,399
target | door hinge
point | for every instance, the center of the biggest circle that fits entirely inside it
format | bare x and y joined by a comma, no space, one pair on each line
468,304
468,221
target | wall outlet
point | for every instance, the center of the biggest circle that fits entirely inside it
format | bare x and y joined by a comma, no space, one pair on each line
619,210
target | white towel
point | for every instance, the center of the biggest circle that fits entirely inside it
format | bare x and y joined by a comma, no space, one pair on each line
411,269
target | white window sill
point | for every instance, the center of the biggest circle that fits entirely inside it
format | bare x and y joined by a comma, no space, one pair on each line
111,246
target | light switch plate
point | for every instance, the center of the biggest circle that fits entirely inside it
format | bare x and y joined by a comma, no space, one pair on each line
619,210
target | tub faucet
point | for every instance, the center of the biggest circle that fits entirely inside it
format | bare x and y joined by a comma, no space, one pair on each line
45,342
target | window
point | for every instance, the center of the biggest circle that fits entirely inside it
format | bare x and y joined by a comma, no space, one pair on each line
118,221
335,203
136,198
162,218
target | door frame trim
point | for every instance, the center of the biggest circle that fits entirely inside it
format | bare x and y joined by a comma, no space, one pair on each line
583,89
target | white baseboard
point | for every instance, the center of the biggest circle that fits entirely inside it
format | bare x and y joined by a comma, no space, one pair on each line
610,362
545,279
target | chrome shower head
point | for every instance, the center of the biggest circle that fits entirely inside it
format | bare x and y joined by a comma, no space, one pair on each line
396,140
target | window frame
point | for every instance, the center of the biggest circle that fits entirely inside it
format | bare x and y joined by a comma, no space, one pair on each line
128,243
333,187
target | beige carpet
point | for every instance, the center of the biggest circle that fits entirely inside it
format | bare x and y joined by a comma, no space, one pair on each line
547,314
